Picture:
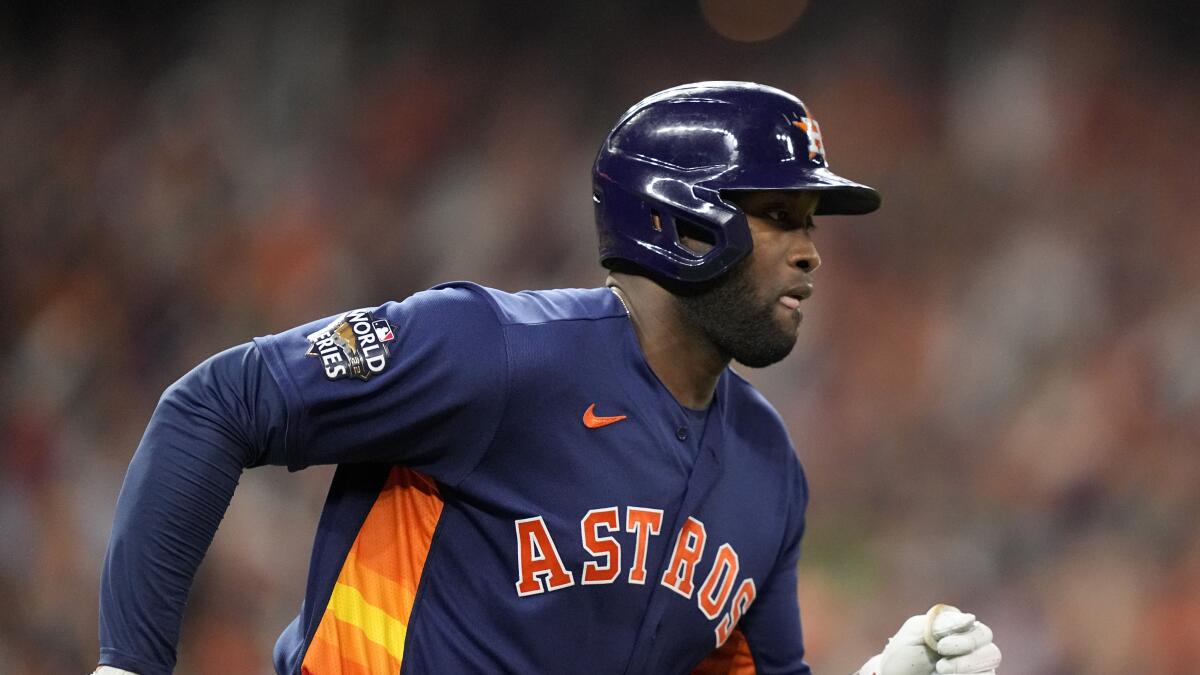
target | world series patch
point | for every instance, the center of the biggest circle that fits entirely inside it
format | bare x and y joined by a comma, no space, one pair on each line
352,345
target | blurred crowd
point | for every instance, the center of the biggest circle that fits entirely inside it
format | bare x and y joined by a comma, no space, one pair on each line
996,393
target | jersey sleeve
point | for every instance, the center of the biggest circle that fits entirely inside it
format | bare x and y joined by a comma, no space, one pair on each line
421,382
224,416
772,625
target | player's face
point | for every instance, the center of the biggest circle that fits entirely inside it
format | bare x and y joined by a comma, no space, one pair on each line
752,314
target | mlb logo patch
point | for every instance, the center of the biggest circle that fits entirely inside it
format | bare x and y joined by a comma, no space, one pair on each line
383,330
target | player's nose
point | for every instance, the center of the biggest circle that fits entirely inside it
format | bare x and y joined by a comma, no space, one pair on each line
804,255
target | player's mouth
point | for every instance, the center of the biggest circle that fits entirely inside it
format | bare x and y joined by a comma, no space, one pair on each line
792,297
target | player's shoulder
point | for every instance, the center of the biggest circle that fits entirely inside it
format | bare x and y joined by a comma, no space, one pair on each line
763,433
752,414
447,307
534,307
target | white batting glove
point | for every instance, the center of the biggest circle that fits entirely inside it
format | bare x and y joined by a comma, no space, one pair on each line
944,641
109,670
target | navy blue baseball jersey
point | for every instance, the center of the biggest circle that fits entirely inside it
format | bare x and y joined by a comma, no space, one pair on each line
516,492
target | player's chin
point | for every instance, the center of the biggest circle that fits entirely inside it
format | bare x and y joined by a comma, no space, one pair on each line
769,345
788,319
789,332
767,350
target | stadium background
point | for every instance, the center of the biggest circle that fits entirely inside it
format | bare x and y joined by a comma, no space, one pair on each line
997,385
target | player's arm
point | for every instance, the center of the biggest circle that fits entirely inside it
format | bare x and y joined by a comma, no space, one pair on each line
431,400
224,416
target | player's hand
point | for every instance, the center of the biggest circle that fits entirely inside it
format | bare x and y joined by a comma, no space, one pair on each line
109,670
944,641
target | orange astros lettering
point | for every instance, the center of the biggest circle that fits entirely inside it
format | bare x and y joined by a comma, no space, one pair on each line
593,421
741,602
719,584
644,523
541,569
538,563
689,548
601,546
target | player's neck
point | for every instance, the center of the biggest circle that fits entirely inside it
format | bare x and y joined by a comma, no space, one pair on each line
685,361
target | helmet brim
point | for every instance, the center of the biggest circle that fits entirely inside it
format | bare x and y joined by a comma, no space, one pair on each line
839,196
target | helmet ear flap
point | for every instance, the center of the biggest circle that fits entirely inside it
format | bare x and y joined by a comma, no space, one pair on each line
662,235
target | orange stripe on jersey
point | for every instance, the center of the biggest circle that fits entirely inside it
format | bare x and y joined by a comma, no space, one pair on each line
366,622
731,658
335,649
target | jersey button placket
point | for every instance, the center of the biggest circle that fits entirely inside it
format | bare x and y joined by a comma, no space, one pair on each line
681,433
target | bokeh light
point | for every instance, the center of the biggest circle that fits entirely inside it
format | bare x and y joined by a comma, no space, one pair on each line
751,20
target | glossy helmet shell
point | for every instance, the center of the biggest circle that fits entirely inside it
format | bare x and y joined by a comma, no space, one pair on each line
670,157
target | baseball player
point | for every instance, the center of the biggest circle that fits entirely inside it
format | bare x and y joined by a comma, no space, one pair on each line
542,482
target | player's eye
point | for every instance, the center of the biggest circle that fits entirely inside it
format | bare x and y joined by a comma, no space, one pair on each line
778,215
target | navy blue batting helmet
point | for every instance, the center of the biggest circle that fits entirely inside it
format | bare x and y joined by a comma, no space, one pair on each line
665,164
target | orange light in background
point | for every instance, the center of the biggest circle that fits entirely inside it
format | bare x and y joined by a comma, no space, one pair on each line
751,20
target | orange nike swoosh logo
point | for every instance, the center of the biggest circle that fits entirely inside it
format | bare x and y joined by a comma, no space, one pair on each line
592,421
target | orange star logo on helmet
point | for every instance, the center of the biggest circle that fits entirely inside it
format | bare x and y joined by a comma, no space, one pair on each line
812,130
